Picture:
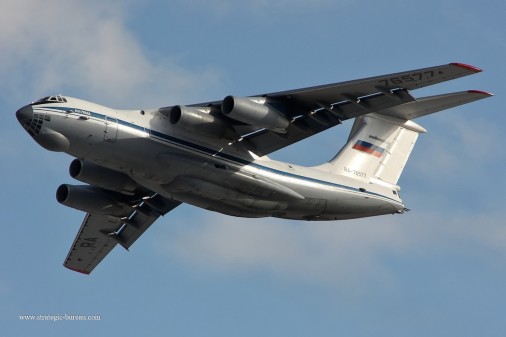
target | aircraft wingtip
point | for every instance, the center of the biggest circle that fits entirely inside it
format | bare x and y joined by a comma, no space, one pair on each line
77,270
480,92
467,66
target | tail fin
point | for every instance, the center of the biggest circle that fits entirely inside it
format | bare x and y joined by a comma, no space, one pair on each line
377,149
379,144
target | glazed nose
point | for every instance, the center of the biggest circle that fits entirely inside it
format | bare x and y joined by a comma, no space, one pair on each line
24,113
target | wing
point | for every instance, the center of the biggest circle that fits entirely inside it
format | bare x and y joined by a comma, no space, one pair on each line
99,234
315,109
427,105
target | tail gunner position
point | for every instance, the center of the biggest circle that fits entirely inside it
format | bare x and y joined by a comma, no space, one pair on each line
140,164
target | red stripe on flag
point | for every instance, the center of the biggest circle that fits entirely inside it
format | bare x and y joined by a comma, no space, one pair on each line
368,150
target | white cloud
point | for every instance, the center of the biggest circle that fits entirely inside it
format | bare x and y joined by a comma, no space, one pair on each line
86,46
353,255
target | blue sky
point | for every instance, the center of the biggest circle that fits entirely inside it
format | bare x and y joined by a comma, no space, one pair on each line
439,270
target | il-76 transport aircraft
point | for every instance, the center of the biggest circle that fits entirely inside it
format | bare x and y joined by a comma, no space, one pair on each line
138,165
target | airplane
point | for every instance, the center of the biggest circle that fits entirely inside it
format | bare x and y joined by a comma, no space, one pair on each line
138,165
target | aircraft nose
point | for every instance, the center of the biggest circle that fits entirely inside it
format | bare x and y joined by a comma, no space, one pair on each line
24,113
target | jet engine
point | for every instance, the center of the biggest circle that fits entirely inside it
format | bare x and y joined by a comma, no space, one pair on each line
108,179
194,120
90,199
255,111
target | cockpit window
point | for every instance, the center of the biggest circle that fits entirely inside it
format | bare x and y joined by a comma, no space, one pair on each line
51,99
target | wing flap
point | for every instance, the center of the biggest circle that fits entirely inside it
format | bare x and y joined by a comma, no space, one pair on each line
143,217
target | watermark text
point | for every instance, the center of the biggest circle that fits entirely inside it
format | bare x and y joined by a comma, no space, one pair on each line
60,318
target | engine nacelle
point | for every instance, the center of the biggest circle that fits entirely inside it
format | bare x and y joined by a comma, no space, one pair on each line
103,177
194,120
255,111
90,199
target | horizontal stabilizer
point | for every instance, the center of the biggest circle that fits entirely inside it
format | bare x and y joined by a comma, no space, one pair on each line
427,105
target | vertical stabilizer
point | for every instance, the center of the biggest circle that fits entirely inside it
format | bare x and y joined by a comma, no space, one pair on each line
377,149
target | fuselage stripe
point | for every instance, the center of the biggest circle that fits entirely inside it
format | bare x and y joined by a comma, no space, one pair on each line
207,151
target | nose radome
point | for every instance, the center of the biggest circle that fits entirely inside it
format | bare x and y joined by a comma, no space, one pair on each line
24,113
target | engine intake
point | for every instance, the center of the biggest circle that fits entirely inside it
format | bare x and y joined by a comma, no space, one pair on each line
194,120
255,111
108,179
90,199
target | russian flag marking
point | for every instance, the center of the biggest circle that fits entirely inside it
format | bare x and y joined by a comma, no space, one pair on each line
364,146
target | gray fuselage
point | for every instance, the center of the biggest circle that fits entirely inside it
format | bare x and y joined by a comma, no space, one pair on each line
212,173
